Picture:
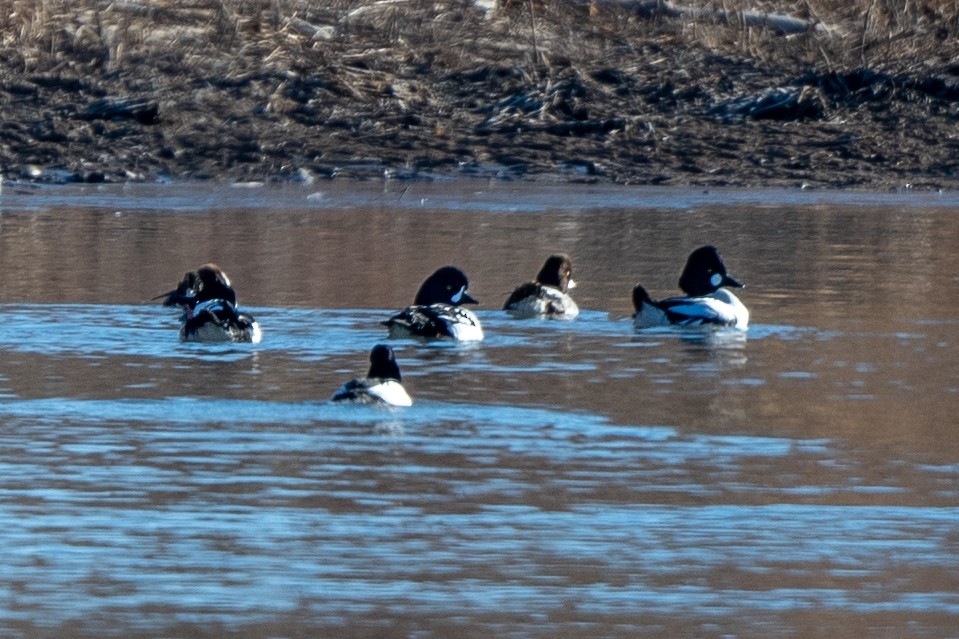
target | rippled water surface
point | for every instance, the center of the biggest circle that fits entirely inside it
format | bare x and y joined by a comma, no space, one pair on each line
559,479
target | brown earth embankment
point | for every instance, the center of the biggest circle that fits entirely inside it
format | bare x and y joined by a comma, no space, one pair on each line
637,92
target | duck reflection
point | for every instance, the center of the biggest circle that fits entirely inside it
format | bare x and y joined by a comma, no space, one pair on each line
725,348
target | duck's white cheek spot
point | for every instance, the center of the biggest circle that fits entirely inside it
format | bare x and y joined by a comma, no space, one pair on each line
716,279
572,283
459,295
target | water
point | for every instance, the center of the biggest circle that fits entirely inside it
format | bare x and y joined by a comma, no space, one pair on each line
558,479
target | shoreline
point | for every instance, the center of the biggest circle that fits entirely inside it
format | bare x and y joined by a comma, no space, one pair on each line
360,90
458,193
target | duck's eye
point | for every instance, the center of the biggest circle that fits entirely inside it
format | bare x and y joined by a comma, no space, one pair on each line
449,287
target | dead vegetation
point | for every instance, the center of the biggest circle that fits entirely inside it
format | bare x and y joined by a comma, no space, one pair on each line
99,35
623,90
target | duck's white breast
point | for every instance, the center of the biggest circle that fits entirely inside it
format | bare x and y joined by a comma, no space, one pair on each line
464,325
392,393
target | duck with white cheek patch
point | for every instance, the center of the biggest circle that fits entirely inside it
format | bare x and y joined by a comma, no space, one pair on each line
707,302
437,310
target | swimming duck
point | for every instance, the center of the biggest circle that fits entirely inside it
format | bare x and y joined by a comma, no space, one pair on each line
382,384
437,312
707,303
210,310
548,294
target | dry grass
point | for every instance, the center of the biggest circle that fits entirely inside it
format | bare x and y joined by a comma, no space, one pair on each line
223,35
248,88
892,35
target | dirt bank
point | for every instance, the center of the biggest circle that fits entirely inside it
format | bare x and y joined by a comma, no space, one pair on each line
282,90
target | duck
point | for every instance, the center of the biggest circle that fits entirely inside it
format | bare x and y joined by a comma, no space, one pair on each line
707,302
547,295
382,384
210,308
437,310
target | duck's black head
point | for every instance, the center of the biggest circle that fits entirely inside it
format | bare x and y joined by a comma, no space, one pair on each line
705,273
383,363
211,274
446,286
214,284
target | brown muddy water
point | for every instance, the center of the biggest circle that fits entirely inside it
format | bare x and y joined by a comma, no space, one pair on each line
559,479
